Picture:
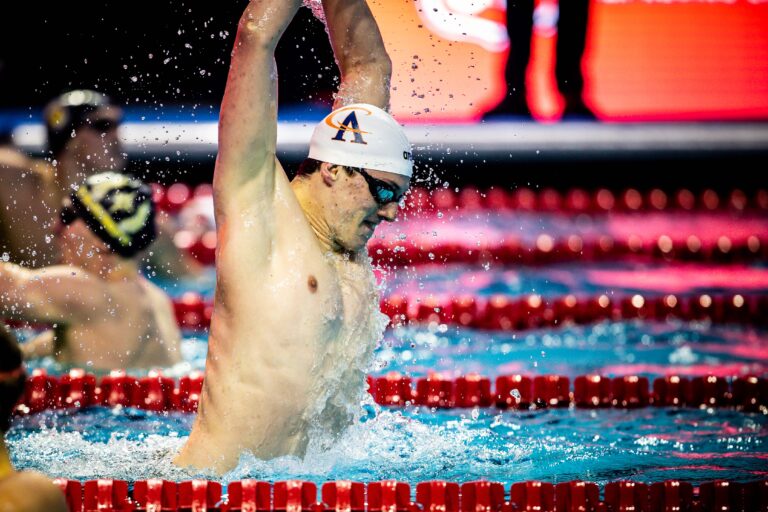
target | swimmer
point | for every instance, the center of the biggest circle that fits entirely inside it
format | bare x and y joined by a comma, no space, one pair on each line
20,491
104,313
82,140
296,315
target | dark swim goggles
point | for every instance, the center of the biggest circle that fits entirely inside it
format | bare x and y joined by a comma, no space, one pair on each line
68,215
101,125
382,192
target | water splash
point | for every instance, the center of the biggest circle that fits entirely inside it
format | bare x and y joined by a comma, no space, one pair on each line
316,7
386,445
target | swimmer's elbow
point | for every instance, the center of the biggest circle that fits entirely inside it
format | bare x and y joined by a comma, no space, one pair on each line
374,65
250,36
382,68
254,30
6,282
12,278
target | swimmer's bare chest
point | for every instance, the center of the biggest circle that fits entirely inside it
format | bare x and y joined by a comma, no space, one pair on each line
294,305
278,300
282,313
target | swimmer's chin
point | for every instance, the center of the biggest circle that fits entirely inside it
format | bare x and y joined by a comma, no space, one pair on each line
355,247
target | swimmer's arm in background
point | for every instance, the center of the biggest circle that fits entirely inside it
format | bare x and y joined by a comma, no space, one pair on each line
57,294
246,163
360,54
167,260
42,345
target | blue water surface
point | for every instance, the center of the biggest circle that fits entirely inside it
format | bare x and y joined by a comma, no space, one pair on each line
416,444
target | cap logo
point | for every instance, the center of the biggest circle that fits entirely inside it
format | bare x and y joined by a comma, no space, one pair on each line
58,117
349,124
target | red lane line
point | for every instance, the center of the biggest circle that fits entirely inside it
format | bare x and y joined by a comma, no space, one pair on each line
78,389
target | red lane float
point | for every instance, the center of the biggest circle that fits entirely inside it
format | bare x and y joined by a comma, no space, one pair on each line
506,313
420,201
77,389
545,250
158,393
394,496
200,241
746,393
155,495
548,250
502,312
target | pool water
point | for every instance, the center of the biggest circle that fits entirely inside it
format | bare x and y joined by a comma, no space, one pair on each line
415,444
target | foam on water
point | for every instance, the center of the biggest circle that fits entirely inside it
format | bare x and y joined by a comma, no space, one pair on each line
649,444
385,445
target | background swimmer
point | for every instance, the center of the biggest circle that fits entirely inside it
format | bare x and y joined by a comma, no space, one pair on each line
82,140
104,313
296,315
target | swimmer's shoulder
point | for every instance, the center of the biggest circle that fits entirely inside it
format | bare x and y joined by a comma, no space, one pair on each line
67,271
155,293
16,164
163,307
30,491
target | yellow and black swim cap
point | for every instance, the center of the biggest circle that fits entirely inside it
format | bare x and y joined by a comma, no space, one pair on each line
118,208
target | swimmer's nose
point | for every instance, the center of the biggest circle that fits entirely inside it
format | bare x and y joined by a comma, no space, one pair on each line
388,212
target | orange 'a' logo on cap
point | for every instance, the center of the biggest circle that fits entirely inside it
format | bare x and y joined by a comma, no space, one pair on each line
349,124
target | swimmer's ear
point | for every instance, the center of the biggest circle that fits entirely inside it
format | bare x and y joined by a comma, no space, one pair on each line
329,173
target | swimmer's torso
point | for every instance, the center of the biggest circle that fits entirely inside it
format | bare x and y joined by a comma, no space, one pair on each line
293,331
133,327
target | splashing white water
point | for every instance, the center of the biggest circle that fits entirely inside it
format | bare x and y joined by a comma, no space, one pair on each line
316,7
390,445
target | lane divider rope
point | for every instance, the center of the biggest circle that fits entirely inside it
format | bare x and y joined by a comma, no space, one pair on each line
78,389
547,249
396,496
507,313
421,201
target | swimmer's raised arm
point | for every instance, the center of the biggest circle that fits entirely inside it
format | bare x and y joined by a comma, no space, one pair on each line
60,294
248,121
360,53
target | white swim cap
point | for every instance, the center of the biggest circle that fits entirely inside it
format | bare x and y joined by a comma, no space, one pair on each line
362,135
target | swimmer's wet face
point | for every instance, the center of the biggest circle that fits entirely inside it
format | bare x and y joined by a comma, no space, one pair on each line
362,200
97,139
